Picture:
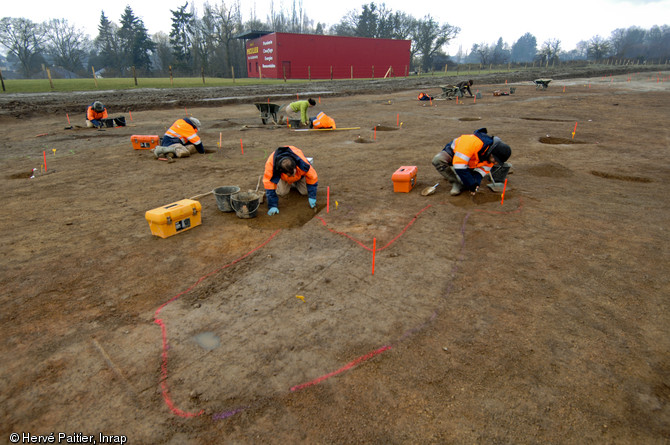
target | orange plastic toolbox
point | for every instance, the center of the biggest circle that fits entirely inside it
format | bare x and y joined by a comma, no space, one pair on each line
144,142
404,178
174,218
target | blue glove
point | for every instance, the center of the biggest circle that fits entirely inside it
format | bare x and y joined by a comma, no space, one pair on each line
273,210
312,202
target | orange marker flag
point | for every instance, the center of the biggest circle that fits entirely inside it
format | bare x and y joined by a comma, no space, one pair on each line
502,198
374,250
241,146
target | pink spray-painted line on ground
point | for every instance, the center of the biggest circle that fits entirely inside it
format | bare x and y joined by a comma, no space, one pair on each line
346,367
387,244
164,355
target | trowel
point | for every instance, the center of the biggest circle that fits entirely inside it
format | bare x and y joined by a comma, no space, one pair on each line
429,190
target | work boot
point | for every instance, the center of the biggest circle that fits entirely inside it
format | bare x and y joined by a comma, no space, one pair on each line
456,189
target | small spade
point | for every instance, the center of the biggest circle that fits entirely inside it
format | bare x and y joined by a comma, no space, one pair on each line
429,190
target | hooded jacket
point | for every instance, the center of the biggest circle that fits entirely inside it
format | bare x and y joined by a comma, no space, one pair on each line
303,168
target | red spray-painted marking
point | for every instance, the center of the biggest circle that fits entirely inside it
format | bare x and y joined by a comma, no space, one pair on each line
164,355
387,244
342,369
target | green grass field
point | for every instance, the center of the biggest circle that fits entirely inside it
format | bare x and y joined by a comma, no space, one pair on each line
67,85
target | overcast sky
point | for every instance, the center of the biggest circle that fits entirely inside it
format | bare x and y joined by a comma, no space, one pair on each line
480,21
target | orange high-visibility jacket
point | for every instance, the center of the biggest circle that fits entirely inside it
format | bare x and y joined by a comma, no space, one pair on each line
92,115
323,121
466,154
304,168
185,132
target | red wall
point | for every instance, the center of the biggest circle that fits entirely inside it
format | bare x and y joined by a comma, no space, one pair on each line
305,56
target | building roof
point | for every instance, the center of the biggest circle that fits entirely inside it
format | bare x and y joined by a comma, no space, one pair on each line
249,35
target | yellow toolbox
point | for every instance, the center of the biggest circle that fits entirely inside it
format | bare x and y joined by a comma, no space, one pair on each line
144,142
174,218
404,178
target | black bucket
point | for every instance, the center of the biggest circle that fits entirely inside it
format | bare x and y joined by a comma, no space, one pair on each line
294,123
246,204
499,172
223,194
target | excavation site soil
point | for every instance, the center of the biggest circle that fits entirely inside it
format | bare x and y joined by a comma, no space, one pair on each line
536,315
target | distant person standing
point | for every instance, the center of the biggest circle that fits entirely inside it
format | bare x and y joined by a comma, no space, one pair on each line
292,110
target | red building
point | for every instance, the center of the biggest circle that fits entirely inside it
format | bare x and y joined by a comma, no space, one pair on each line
310,56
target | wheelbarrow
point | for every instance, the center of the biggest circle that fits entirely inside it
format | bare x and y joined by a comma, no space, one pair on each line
450,91
268,111
542,83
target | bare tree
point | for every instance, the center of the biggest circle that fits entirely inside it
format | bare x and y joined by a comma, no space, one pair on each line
549,51
22,38
66,44
598,48
429,38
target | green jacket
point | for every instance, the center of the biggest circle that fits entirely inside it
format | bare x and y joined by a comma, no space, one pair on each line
302,106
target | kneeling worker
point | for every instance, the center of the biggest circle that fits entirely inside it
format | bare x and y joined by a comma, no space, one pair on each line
467,159
322,120
285,168
181,139
95,114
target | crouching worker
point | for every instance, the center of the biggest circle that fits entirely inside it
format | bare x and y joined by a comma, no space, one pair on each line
285,168
181,140
467,159
96,116
322,120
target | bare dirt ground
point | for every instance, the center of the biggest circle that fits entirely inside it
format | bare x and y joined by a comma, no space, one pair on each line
540,318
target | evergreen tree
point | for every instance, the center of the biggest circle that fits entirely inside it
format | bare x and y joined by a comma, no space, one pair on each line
135,42
181,38
524,49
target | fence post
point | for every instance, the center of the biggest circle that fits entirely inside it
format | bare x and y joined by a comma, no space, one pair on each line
373,71
352,72
202,73
171,81
3,81
134,75
232,70
309,73
95,79
49,76
331,72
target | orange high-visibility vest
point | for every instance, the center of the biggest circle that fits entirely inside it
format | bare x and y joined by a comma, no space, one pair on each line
466,155
184,132
323,121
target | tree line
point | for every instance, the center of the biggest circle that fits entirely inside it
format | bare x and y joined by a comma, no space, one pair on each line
208,43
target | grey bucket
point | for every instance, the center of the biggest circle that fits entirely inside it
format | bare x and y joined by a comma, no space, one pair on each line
246,204
223,194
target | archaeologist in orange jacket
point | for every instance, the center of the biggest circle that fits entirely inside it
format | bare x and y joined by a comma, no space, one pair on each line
322,120
181,139
95,113
467,159
285,168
